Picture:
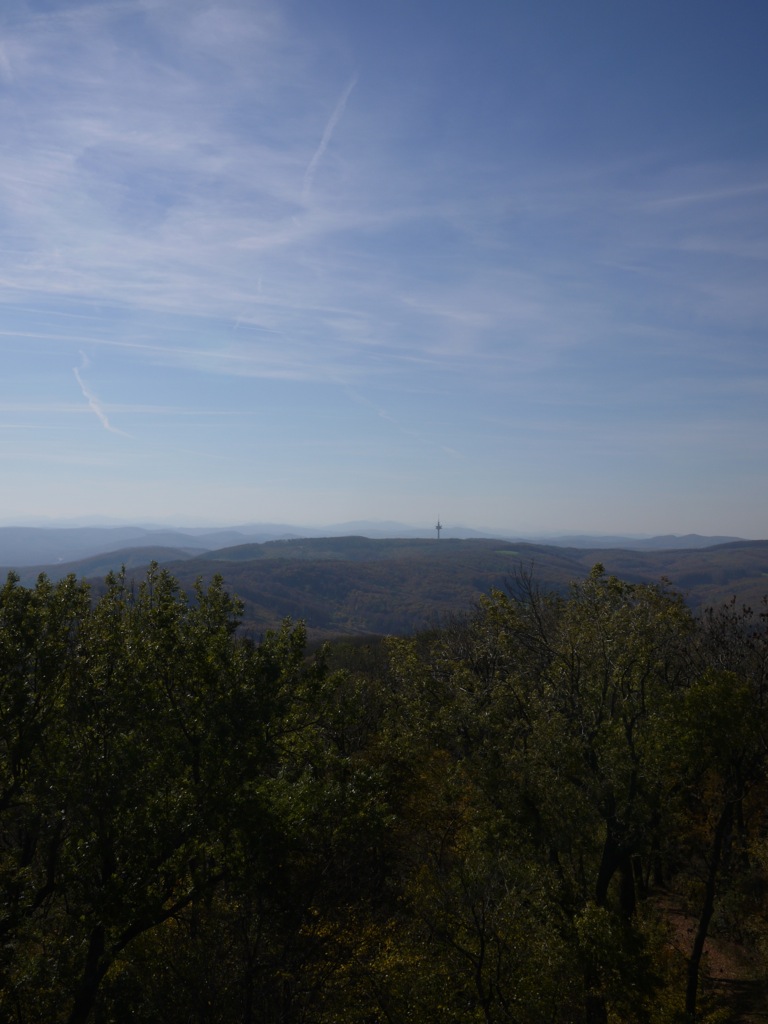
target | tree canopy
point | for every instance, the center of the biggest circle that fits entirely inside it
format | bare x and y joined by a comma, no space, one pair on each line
487,822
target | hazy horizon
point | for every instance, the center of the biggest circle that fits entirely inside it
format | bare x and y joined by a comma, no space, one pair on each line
280,261
378,526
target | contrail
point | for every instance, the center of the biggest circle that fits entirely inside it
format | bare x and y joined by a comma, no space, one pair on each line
317,156
94,403
6,73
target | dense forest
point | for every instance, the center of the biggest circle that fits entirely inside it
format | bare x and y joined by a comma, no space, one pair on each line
362,586
549,809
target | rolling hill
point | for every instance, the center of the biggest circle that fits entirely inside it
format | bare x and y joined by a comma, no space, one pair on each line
360,586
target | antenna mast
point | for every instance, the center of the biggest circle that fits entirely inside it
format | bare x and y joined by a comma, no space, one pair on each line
438,527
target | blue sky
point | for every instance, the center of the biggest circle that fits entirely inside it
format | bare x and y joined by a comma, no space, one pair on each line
313,261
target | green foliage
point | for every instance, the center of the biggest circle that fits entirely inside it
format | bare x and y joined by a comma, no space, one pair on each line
472,824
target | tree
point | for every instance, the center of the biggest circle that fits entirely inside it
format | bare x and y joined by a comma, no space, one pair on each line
136,727
549,709
198,827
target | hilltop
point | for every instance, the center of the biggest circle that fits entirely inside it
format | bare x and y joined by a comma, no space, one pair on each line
358,585
26,545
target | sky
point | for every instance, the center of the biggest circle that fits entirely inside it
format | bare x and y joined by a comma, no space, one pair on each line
317,261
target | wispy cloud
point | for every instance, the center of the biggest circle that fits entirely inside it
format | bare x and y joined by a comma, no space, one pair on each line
330,128
6,72
95,405
423,438
734,192
169,174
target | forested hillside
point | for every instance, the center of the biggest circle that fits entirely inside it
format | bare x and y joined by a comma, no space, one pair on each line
504,819
360,586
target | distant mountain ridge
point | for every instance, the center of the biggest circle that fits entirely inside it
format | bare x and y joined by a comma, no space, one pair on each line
664,542
23,546
361,585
